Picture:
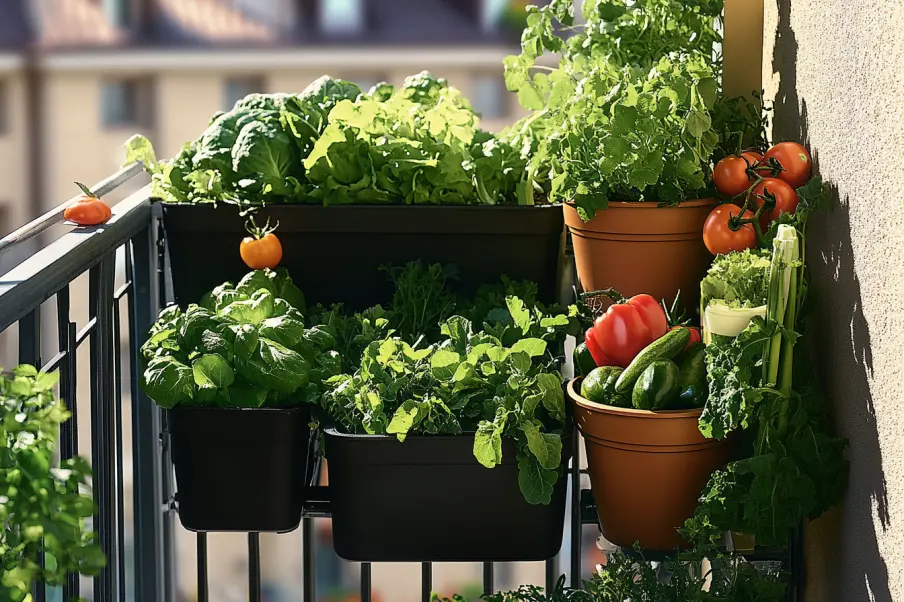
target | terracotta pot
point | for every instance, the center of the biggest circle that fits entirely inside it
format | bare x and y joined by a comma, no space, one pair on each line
643,248
647,469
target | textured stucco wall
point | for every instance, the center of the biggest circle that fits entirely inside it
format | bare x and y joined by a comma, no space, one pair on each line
835,69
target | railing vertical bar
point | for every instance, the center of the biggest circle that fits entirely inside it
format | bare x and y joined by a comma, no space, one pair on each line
308,560
68,430
147,475
551,576
366,581
100,300
117,425
426,581
30,353
254,567
576,524
203,593
488,587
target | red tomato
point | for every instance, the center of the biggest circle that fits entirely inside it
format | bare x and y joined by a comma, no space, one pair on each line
786,199
720,239
695,335
795,161
625,329
730,176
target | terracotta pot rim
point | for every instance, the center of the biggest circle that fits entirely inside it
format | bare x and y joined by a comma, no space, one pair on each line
651,204
628,412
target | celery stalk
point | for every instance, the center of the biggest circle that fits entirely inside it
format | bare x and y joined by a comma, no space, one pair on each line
782,309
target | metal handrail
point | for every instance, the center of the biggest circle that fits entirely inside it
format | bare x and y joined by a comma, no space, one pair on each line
40,276
55,215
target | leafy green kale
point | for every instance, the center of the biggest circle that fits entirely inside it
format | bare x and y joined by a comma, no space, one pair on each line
738,279
42,508
468,382
244,346
790,477
249,154
734,373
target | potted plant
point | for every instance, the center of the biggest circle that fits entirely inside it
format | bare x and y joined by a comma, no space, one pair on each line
634,119
451,436
344,173
38,498
238,375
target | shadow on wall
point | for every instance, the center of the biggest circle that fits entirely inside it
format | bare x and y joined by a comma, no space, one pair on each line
843,557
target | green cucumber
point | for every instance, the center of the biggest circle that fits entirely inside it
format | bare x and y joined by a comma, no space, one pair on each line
583,360
692,363
664,348
658,386
599,387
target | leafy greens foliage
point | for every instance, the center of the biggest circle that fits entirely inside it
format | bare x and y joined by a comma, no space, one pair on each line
243,346
796,475
632,578
633,110
331,144
470,381
42,508
739,279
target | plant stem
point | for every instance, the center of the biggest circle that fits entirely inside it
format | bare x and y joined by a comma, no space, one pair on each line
787,362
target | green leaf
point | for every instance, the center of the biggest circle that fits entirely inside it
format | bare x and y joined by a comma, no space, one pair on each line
445,362
698,122
536,482
488,444
532,347
553,396
546,447
168,381
403,419
519,313
212,369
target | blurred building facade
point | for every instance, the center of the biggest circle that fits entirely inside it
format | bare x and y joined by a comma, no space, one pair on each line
78,77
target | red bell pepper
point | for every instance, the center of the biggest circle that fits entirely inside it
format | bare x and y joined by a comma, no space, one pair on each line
628,326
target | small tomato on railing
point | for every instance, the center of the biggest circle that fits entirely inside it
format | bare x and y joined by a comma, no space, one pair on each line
88,209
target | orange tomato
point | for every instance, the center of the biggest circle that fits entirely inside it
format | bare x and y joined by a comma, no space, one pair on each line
88,209
260,253
786,199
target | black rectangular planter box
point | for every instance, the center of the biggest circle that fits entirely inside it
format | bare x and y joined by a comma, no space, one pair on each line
334,253
428,499
240,469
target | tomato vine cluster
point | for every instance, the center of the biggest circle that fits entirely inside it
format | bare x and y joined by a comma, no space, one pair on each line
761,187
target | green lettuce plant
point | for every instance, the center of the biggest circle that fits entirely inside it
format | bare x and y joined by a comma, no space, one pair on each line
496,383
245,345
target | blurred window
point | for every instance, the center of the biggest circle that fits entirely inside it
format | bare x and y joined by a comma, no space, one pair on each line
489,96
341,16
237,88
4,107
118,12
126,102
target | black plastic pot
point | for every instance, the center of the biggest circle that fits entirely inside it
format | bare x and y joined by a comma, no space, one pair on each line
428,499
334,253
240,469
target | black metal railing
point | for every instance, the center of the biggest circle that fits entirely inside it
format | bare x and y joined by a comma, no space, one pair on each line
134,235
47,277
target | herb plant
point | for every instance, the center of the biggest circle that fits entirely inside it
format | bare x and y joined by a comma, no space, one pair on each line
42,508
471,381
243,346
633,110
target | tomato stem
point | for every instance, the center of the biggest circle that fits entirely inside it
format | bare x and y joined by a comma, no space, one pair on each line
86,190
259,232
610,293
